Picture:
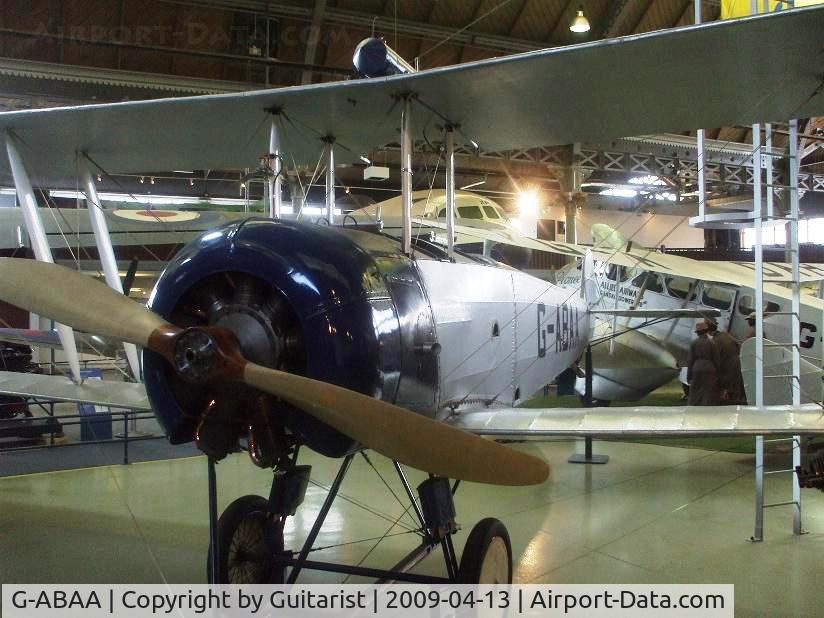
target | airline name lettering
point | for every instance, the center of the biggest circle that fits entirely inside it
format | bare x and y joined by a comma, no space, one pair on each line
626,293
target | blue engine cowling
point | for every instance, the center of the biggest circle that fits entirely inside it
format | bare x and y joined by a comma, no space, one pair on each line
336,284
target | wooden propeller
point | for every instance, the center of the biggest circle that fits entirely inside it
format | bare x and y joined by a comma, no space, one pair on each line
210,353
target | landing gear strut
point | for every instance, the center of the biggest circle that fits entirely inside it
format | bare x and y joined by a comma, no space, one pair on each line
247,540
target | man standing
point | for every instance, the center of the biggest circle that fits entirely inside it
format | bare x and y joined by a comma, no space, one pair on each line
730,382
702,369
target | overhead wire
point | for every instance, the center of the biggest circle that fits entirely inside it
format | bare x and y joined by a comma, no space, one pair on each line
466,27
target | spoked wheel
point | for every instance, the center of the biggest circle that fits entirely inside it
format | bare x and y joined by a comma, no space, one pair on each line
487,556
242,533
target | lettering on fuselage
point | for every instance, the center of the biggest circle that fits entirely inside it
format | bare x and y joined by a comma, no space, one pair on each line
565,328
626,293
807,341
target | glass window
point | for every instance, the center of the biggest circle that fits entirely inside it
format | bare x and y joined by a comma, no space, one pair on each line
720,298
442,213
621,273
679,287
653,282
491,213
470,212
746,306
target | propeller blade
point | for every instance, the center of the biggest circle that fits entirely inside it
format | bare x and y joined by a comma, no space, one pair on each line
77,300
399,434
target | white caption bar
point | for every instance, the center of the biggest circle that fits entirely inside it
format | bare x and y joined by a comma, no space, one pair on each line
349,601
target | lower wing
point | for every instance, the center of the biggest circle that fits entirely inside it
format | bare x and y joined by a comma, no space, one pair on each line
642,421
125,395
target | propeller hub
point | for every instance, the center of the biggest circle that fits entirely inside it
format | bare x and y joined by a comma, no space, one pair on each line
195,355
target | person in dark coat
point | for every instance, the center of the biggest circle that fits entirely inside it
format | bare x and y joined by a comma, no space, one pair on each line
730,382
702,369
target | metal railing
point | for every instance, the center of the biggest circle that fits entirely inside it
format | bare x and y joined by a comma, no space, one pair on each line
70,420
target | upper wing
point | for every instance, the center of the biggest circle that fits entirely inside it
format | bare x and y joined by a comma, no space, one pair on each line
652,420
537,98
58,388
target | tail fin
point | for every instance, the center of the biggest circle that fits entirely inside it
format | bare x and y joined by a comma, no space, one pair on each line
589,289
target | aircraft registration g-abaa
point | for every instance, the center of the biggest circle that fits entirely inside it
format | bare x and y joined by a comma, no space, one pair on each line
281,334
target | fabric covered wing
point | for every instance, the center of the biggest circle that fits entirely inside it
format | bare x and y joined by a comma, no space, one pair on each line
58,388
653,420
602,89
657,313
779,272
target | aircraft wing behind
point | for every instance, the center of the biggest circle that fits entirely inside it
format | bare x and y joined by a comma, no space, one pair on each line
48,339
780,272
125,395
539,98
644,259
642,421
657,313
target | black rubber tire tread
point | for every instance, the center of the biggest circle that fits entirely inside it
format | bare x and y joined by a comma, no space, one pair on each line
469,571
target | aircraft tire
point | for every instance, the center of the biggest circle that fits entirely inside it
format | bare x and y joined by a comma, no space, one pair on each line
242,532
487,555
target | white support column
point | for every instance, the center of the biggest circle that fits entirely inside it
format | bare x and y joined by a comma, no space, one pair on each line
104,249
450,191
702,174
768,168
759,328
276,182
406,175
759,265
330,181
795,323
42,251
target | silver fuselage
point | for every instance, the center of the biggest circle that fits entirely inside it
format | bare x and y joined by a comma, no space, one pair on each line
504,334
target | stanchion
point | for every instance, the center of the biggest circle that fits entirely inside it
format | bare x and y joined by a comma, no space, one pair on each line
587,457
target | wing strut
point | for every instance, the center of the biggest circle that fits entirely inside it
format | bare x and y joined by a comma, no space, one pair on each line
450,191
37,234
330,180
104,249
275,183
406,174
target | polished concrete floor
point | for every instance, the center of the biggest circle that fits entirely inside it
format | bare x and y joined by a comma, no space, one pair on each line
652,514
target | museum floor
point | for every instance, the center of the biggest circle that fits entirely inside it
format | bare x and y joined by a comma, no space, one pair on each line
652,514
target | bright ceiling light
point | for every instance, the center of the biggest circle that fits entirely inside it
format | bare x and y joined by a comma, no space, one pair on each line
580,23
528,202
647,180
619,192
